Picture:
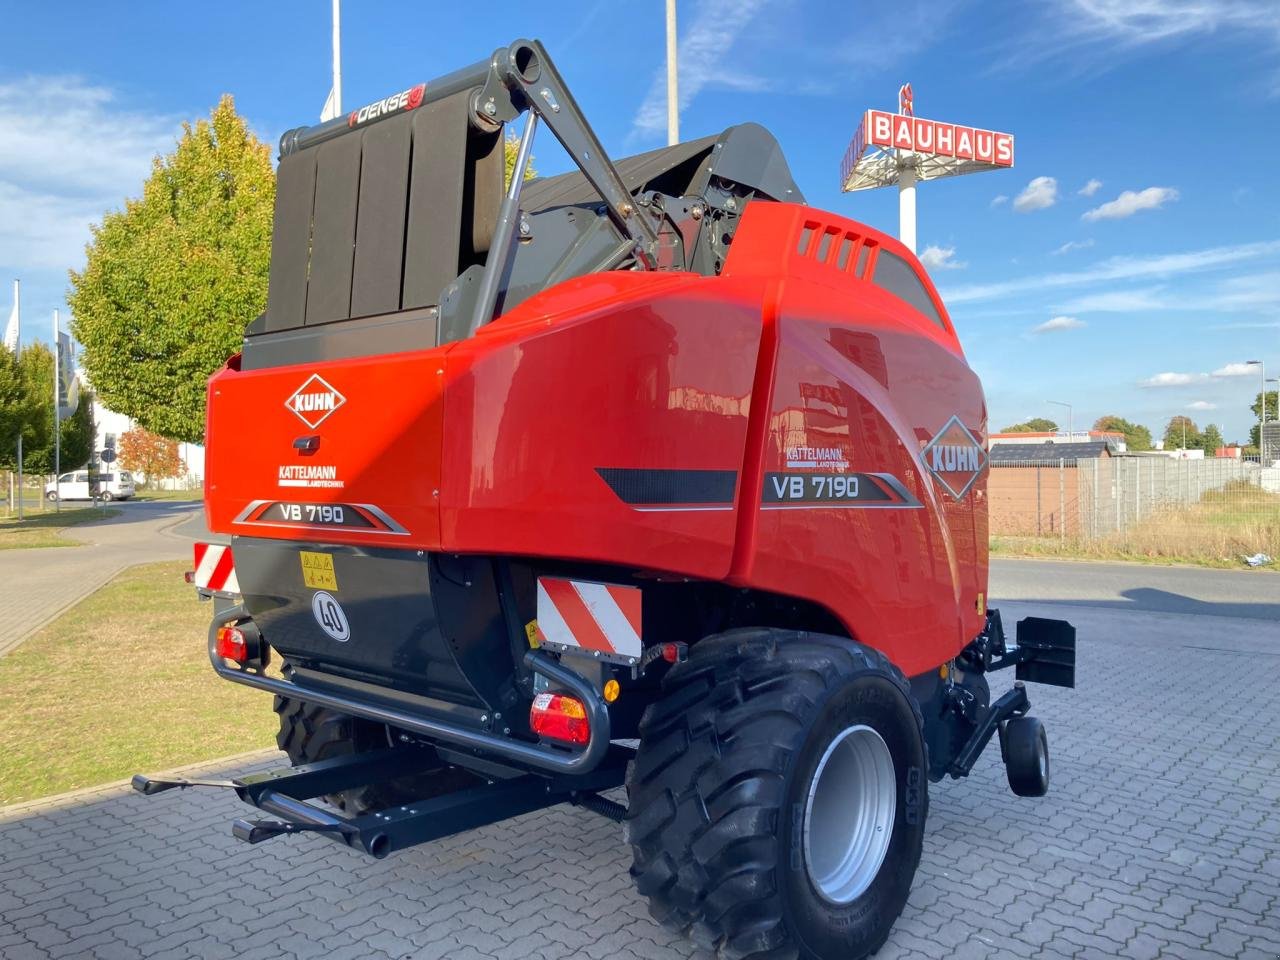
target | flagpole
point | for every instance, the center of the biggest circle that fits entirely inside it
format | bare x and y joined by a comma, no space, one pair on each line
337,58
57,411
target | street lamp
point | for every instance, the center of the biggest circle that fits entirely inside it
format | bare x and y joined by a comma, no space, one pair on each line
1071,423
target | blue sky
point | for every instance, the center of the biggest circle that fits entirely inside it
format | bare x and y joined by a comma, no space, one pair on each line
1141,295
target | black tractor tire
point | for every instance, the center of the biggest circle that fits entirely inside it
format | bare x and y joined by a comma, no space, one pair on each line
720,787
1025,746
309,733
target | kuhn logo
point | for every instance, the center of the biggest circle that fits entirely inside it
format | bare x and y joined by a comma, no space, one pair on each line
404,100
955,458
314,401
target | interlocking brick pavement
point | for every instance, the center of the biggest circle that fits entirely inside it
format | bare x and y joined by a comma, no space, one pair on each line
1160,838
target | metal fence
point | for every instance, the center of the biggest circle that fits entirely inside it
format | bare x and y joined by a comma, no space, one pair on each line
1220,504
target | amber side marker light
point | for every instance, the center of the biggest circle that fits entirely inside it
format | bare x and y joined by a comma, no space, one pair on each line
560,717
612,690
231,644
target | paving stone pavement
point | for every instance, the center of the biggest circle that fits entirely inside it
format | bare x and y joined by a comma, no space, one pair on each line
1160,838
40,583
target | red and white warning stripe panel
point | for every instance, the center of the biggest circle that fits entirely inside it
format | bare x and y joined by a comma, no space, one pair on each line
600,618
215,569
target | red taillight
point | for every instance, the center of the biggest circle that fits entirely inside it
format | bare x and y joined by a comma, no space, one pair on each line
559,717
231,644
189,576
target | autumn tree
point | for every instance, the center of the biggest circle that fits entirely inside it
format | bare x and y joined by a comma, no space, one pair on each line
1137,438
172,279
150,454
1034,425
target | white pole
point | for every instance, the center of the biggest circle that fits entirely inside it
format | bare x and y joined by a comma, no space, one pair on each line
57,411
907,206
337,58
673,93
17,352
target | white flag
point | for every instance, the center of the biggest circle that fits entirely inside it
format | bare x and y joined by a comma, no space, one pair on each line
330,110
13,329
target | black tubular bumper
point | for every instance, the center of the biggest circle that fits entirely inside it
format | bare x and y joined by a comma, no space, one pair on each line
544,759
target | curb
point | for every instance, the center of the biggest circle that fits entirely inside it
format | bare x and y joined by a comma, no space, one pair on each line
58,801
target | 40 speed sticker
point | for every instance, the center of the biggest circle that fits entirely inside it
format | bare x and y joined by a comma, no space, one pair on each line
835,490
329,614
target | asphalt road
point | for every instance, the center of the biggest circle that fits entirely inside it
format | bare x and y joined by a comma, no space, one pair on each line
1160,836
37,584
1139,588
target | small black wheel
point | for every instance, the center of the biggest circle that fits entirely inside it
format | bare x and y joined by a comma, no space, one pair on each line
1025,746
51,496
107,496
778,796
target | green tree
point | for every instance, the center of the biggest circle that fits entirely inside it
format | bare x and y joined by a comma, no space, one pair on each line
510,154
1136,437
1175,433
1034,425
1273,413
27,381
1211,440
76,430
172,280
12,405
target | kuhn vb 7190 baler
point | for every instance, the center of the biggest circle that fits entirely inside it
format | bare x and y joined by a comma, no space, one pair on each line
517,475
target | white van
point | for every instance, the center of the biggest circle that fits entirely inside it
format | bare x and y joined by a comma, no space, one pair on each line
117,485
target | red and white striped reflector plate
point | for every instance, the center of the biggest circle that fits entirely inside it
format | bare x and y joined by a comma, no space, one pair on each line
215,570
599,617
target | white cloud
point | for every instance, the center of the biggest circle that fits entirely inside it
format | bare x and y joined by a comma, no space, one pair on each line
1134,23
1040,193
706,43
1058,324
999,199
1130,202
1236,370
1090,188
1095,35
1174,379
64,165
1130,300
1202,405
941,258
1120,268
1073,245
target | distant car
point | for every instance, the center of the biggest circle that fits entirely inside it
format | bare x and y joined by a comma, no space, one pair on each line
75,486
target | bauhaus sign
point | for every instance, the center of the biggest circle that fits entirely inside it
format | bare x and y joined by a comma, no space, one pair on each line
918,135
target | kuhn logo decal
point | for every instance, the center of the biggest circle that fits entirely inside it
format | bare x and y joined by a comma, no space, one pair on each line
955,457
314,401
409,99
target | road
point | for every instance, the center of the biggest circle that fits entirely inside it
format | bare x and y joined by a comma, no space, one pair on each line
1160,836
40,583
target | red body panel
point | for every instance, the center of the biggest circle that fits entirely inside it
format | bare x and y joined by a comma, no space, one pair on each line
494,445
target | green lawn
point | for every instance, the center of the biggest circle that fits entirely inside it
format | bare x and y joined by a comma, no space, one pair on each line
118,685
197,494
45,529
